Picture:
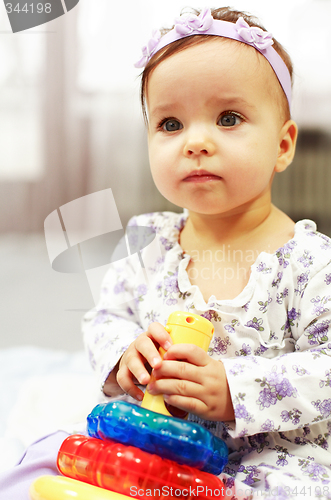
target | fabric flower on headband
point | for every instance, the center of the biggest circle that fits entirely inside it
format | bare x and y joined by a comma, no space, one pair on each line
253,35
148,49
185,24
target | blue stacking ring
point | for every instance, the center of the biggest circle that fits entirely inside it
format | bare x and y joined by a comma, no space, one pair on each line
169,437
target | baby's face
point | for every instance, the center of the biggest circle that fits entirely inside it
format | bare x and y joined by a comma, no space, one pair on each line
214,107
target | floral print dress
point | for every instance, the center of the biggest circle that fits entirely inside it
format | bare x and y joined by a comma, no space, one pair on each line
273,338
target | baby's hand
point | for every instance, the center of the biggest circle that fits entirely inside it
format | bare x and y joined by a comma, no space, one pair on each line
192,381
143,351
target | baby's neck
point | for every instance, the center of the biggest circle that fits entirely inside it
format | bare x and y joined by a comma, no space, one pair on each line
264,227
222,253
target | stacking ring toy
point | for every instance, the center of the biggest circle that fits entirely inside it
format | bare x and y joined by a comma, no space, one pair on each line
141,449
132,472
65,488
172,438
151,426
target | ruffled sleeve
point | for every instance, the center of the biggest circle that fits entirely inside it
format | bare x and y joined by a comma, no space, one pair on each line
293,390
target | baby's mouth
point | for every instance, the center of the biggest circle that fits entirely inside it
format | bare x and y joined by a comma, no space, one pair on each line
201,176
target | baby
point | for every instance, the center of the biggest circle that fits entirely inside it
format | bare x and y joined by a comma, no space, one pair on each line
216,92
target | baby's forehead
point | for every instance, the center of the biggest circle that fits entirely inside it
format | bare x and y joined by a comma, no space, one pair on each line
215,52
219,62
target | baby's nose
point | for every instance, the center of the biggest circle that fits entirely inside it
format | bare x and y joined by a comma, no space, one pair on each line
199,144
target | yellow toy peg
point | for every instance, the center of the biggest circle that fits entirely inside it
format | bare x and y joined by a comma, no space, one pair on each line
183,328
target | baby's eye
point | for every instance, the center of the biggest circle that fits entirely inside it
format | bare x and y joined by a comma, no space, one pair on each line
229,119
171,125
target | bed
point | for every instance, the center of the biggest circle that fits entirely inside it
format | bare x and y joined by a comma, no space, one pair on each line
41,391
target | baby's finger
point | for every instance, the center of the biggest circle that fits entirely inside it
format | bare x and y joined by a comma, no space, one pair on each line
124,380
145,344
135,364
179,387
159,334
178,370
188,404
187,352
147,349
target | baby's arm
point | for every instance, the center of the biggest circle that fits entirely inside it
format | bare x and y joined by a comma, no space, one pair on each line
112,328
113,325
290,391
119,350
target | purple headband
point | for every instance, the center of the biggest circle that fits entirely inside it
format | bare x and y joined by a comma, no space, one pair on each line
205,24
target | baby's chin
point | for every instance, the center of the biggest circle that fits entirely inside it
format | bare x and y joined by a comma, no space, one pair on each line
203,202
205,210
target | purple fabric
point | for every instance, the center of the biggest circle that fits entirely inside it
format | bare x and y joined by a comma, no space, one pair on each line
39,459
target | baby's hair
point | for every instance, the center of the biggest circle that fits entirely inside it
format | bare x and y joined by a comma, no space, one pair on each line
222,14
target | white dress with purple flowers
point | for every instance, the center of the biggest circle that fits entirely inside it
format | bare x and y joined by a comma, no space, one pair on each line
273,338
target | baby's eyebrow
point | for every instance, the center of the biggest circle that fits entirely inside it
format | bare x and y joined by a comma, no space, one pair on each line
227,102
162,109
231,101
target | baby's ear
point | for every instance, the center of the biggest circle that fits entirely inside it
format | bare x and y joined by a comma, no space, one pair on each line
287,141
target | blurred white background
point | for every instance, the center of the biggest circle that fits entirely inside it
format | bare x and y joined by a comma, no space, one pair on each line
70,124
